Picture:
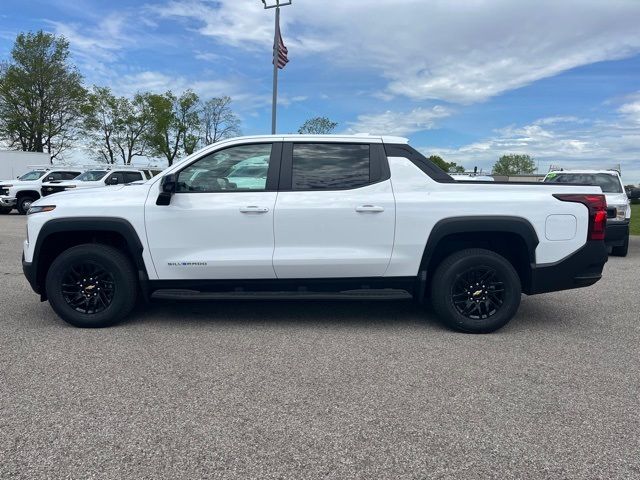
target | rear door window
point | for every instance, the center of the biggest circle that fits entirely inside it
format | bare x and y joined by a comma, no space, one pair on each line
326,166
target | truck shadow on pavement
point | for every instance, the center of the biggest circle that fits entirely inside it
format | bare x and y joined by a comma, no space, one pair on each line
288,312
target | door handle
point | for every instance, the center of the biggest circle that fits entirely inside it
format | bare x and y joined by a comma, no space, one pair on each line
369,209
253,209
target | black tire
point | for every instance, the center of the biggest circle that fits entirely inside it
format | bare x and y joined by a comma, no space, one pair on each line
5,210
484,310
105,291
622,250
24,203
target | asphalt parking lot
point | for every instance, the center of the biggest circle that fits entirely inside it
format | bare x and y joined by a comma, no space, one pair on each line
322,389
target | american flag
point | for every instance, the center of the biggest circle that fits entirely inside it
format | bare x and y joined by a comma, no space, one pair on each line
282,50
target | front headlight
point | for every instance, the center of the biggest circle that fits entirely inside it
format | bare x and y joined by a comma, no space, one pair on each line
40,209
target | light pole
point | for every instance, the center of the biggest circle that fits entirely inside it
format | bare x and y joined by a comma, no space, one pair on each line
276,46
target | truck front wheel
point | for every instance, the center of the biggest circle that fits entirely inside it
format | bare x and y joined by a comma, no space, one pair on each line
475,291
91,286
24,203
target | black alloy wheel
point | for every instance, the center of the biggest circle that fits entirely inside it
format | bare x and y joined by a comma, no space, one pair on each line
478,292
475,291
88,287
92,285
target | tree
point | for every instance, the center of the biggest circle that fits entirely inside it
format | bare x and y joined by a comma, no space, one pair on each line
41,95
174,125
514,164
452,167
116,125
218,120
317,126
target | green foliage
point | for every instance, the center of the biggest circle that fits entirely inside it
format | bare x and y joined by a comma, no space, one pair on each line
317,126
116,125
174,124
514,164
634,227
450,167
44,107
41,95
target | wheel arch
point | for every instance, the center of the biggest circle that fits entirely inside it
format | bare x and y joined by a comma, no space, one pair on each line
59,234
512,237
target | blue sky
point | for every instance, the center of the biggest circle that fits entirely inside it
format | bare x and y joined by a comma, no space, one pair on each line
467,80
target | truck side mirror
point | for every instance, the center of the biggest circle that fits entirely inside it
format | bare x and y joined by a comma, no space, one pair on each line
167,189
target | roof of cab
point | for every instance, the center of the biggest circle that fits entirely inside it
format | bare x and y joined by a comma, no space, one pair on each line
359,137
610,172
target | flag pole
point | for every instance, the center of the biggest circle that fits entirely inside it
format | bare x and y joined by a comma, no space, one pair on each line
276,46
276,52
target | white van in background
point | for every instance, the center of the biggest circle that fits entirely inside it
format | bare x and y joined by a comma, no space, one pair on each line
14,163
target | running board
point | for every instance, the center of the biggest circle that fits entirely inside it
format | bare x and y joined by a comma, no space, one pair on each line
369,294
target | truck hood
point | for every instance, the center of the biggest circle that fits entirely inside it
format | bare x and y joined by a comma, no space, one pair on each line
19,183
79,196
616,198
72,183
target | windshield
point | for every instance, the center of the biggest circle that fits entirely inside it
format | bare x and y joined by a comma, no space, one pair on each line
609,183
91,176
33,175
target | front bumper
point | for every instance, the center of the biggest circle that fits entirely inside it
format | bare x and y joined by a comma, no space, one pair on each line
49,190
30,273
617,233
7,201
581,269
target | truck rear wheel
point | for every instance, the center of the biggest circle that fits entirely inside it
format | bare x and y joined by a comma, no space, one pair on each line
475,291
5,210
91,286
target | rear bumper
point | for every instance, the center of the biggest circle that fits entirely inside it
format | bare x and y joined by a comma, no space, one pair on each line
7,201
581,269
616,233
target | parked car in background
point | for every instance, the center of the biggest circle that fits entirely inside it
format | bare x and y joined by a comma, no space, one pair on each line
356,217
98,177
618,205
25,190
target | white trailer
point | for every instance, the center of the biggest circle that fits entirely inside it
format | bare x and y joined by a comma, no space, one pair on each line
14,163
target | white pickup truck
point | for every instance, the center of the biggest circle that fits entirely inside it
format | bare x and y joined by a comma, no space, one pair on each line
98,177
357,217
25,190
618,204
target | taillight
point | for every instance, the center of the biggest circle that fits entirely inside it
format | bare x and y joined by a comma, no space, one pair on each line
597,205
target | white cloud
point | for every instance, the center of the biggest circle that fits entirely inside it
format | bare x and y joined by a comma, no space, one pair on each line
578,143
399,123
158,82
461,52
631,110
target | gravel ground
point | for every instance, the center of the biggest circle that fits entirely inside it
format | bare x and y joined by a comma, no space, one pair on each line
321,389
